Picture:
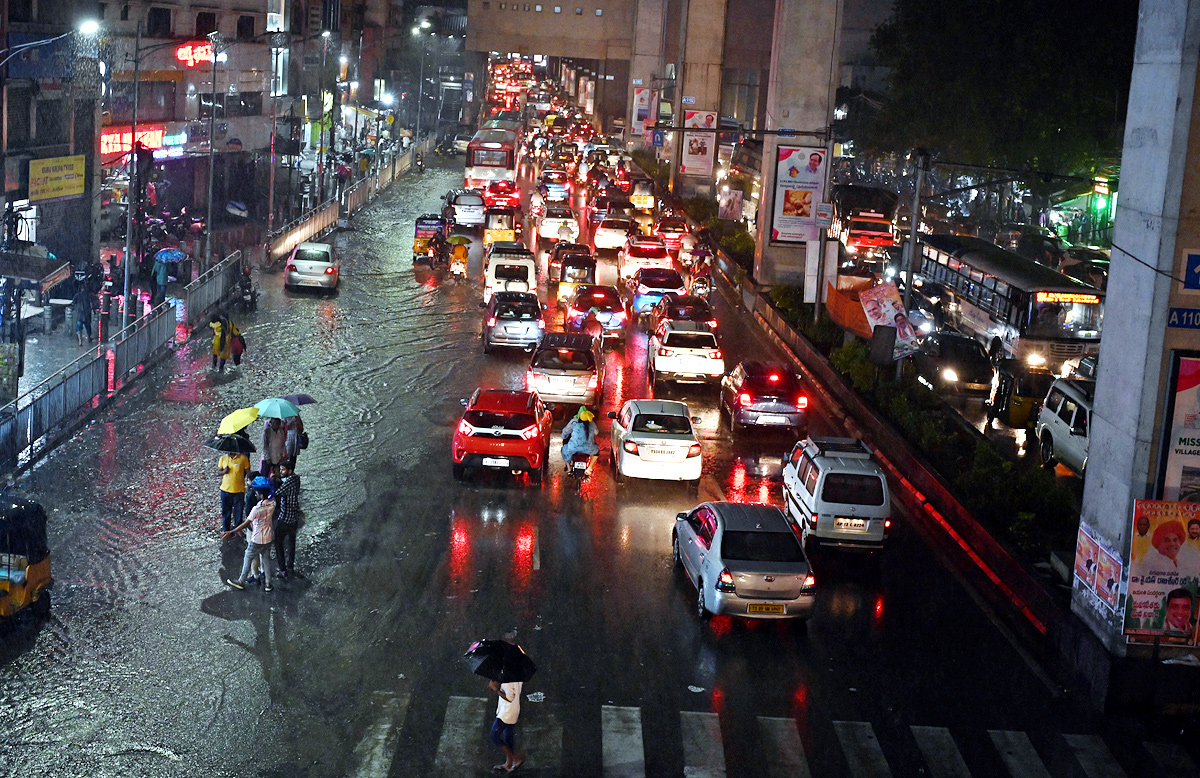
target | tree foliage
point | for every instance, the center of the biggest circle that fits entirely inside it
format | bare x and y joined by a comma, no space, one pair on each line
1010,83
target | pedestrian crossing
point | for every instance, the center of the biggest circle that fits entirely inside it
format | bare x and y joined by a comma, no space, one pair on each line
778,750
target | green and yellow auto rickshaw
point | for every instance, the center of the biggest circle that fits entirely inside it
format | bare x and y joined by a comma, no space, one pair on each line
24,558
1017,393
575,269
501,223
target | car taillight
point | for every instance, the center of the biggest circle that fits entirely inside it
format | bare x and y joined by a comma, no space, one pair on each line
812,520
745,399
725,581
491,321
573,311
529,433
529,381
666,352
694,450
541,323
631,447
330,271
810,583
290,268
464,428
712,323
594,382
801,402
619,315
714,354
887,526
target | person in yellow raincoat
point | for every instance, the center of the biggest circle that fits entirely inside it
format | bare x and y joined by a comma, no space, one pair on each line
225,332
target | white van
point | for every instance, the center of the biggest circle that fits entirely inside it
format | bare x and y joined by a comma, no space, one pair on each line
1064,422
509,273
836,494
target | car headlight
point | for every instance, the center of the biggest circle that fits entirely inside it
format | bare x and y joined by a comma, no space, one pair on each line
949,375
1036,360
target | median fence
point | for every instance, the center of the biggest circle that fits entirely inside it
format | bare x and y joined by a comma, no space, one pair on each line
207,291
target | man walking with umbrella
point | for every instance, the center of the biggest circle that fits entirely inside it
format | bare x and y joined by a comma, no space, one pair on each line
507,667
508,710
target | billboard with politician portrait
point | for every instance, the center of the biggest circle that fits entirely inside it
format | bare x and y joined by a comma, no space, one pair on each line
699,148
1164,572
799,188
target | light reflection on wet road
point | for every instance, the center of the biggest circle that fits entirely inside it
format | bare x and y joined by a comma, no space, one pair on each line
150,666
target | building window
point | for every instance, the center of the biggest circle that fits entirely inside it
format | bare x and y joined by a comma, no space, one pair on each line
502,7
158,23
156,102
579,12
486,5
558,9
599,12
125,13
245,28
297,20
103,8
206,22
537,8
527,6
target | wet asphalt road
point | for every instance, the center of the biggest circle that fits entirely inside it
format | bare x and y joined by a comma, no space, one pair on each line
150,666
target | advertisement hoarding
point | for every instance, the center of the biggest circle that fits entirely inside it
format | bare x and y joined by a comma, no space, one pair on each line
589,96
799,187
699,148
883,306
729,205
1179,468
57,178
1164,570
641,111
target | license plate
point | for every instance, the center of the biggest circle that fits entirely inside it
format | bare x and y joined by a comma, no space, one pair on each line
769,419
495,462
764,609
854,525
309,282
663,452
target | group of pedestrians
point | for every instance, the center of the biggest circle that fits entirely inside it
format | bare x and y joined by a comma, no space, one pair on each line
269,508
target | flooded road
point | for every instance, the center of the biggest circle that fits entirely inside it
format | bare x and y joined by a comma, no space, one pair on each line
150,666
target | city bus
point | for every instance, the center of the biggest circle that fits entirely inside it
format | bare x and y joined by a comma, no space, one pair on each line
491,156
1015,307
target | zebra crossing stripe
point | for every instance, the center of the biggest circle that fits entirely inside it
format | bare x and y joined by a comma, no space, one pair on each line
459,753
1173,760
862,750
941,754
703,750
783,752
1018,754
375,751
624,755
1094,757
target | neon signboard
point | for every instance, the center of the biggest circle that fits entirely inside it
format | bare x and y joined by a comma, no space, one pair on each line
122,142
194,53
1066,297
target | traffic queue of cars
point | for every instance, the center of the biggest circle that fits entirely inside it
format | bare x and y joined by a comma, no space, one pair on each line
744,560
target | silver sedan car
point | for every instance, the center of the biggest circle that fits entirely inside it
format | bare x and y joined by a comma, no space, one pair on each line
312,266
744,560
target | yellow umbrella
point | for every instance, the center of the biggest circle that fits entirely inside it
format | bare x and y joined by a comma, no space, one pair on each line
239,419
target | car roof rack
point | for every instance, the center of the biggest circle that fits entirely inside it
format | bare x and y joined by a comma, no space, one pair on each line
844,448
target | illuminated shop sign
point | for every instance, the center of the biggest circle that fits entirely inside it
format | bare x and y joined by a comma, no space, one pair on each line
121,142
197,53
1066,297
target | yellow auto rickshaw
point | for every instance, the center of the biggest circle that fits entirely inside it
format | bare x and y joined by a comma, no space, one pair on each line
1018,391
501,223
575,269
24,558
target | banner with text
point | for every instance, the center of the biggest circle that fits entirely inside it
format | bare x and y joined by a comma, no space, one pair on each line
799,187
1164,570
1180,473
57,178
641,111
883,306
699,148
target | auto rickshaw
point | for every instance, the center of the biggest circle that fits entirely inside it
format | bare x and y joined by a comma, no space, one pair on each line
24,558
501,223
1017,393
575,269
427,227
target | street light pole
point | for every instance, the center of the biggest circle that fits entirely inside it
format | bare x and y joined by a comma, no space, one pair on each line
215,39
127,310
922,163
321,118
274,127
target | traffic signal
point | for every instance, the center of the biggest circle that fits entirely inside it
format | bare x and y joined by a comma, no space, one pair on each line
144,159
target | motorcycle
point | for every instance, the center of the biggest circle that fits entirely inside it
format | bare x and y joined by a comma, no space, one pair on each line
701,287
458,270
580,466
419,164
437,255
247,293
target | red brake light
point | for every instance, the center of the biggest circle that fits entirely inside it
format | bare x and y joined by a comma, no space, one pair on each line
491,321
631,447
666,352
529,381
810,582
712,323
529,433
714,354
541,324
694,450
594,383
599,295
725,581
744,398
464,428
773,377
290,268
801,402
330,270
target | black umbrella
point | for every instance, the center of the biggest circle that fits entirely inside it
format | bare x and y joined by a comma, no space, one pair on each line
231,444
501,661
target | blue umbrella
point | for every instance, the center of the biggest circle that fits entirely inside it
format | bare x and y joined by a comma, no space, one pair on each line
169,255
276,408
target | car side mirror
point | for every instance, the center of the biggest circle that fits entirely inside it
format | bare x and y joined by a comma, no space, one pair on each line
612,414
483,305
463,402
695,420
545,307
681,516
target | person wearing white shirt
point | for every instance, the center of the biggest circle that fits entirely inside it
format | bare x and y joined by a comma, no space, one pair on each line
508,710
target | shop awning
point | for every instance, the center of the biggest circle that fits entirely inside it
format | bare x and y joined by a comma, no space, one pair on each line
33,272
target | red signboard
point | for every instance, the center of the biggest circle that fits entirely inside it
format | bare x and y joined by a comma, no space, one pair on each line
117,142
194,53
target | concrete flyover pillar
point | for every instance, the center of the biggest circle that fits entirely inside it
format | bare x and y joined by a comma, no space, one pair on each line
645,63
698,88
1157,224
800,94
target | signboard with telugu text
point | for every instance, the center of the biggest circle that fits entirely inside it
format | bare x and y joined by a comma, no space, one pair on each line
56,178
1164,571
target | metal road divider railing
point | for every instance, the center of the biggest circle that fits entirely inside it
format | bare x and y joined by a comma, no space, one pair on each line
357,196
140,341
207,291
309,226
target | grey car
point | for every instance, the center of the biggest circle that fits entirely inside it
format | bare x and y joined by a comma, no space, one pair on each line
513,319
567,369
744,560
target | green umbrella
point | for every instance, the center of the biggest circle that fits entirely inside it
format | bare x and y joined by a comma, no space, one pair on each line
459,240
276,408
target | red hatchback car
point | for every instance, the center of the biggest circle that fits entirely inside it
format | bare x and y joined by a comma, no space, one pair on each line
503,430
502,194
671,231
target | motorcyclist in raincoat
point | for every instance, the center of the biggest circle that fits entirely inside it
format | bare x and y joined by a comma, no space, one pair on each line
579,435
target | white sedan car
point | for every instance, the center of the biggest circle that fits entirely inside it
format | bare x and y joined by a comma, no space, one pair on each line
611,234
552,223
654,439
311,266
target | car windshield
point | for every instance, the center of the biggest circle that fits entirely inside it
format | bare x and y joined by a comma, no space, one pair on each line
962,350
763,385
648,252
672,226
555,177
853,489
668,423
693,311
559,213
621,225
511,272
524,311
690,340
663,279
564,359
312,255
502,419
1078,315
468,200
760,547
604,300
580,273
500,221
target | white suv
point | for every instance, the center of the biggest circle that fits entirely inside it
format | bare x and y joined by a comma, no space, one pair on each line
836,494
684,351
1064,422
643,251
